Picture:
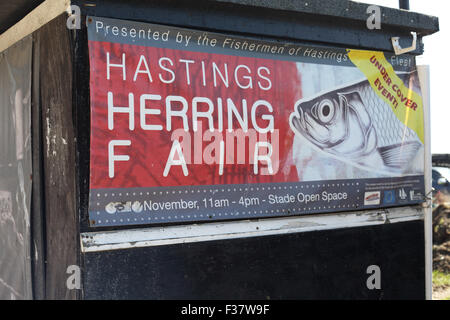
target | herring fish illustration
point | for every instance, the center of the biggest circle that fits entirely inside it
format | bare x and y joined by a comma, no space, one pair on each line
354,124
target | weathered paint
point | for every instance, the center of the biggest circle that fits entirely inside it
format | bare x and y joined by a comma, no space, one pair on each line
157,236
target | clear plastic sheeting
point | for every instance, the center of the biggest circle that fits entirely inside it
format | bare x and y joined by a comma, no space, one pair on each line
15,171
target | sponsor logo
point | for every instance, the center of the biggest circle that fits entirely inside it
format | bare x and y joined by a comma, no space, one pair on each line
402,194
124,206
371,198
415,196
389,197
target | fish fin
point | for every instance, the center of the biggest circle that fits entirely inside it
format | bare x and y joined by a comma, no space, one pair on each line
371,140
399,155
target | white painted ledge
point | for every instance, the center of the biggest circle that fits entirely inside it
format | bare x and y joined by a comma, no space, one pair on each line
41,15
157,236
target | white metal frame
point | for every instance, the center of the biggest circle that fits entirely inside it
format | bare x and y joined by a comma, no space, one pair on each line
424,77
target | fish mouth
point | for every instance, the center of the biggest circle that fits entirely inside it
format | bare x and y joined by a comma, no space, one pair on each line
308,127
301,120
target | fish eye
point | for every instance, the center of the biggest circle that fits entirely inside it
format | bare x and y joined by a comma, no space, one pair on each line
326,111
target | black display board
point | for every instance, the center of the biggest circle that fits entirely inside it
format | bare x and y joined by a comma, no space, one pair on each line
328,264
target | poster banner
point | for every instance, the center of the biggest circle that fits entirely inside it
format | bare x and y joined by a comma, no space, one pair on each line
196,126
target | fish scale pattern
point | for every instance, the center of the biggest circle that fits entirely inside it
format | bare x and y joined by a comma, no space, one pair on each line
390,130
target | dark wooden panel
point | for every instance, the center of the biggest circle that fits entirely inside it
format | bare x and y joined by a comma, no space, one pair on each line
37,204
59,156
312,265
277,19
82,116
351,10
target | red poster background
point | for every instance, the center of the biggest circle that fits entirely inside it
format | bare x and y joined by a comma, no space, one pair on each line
149,150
